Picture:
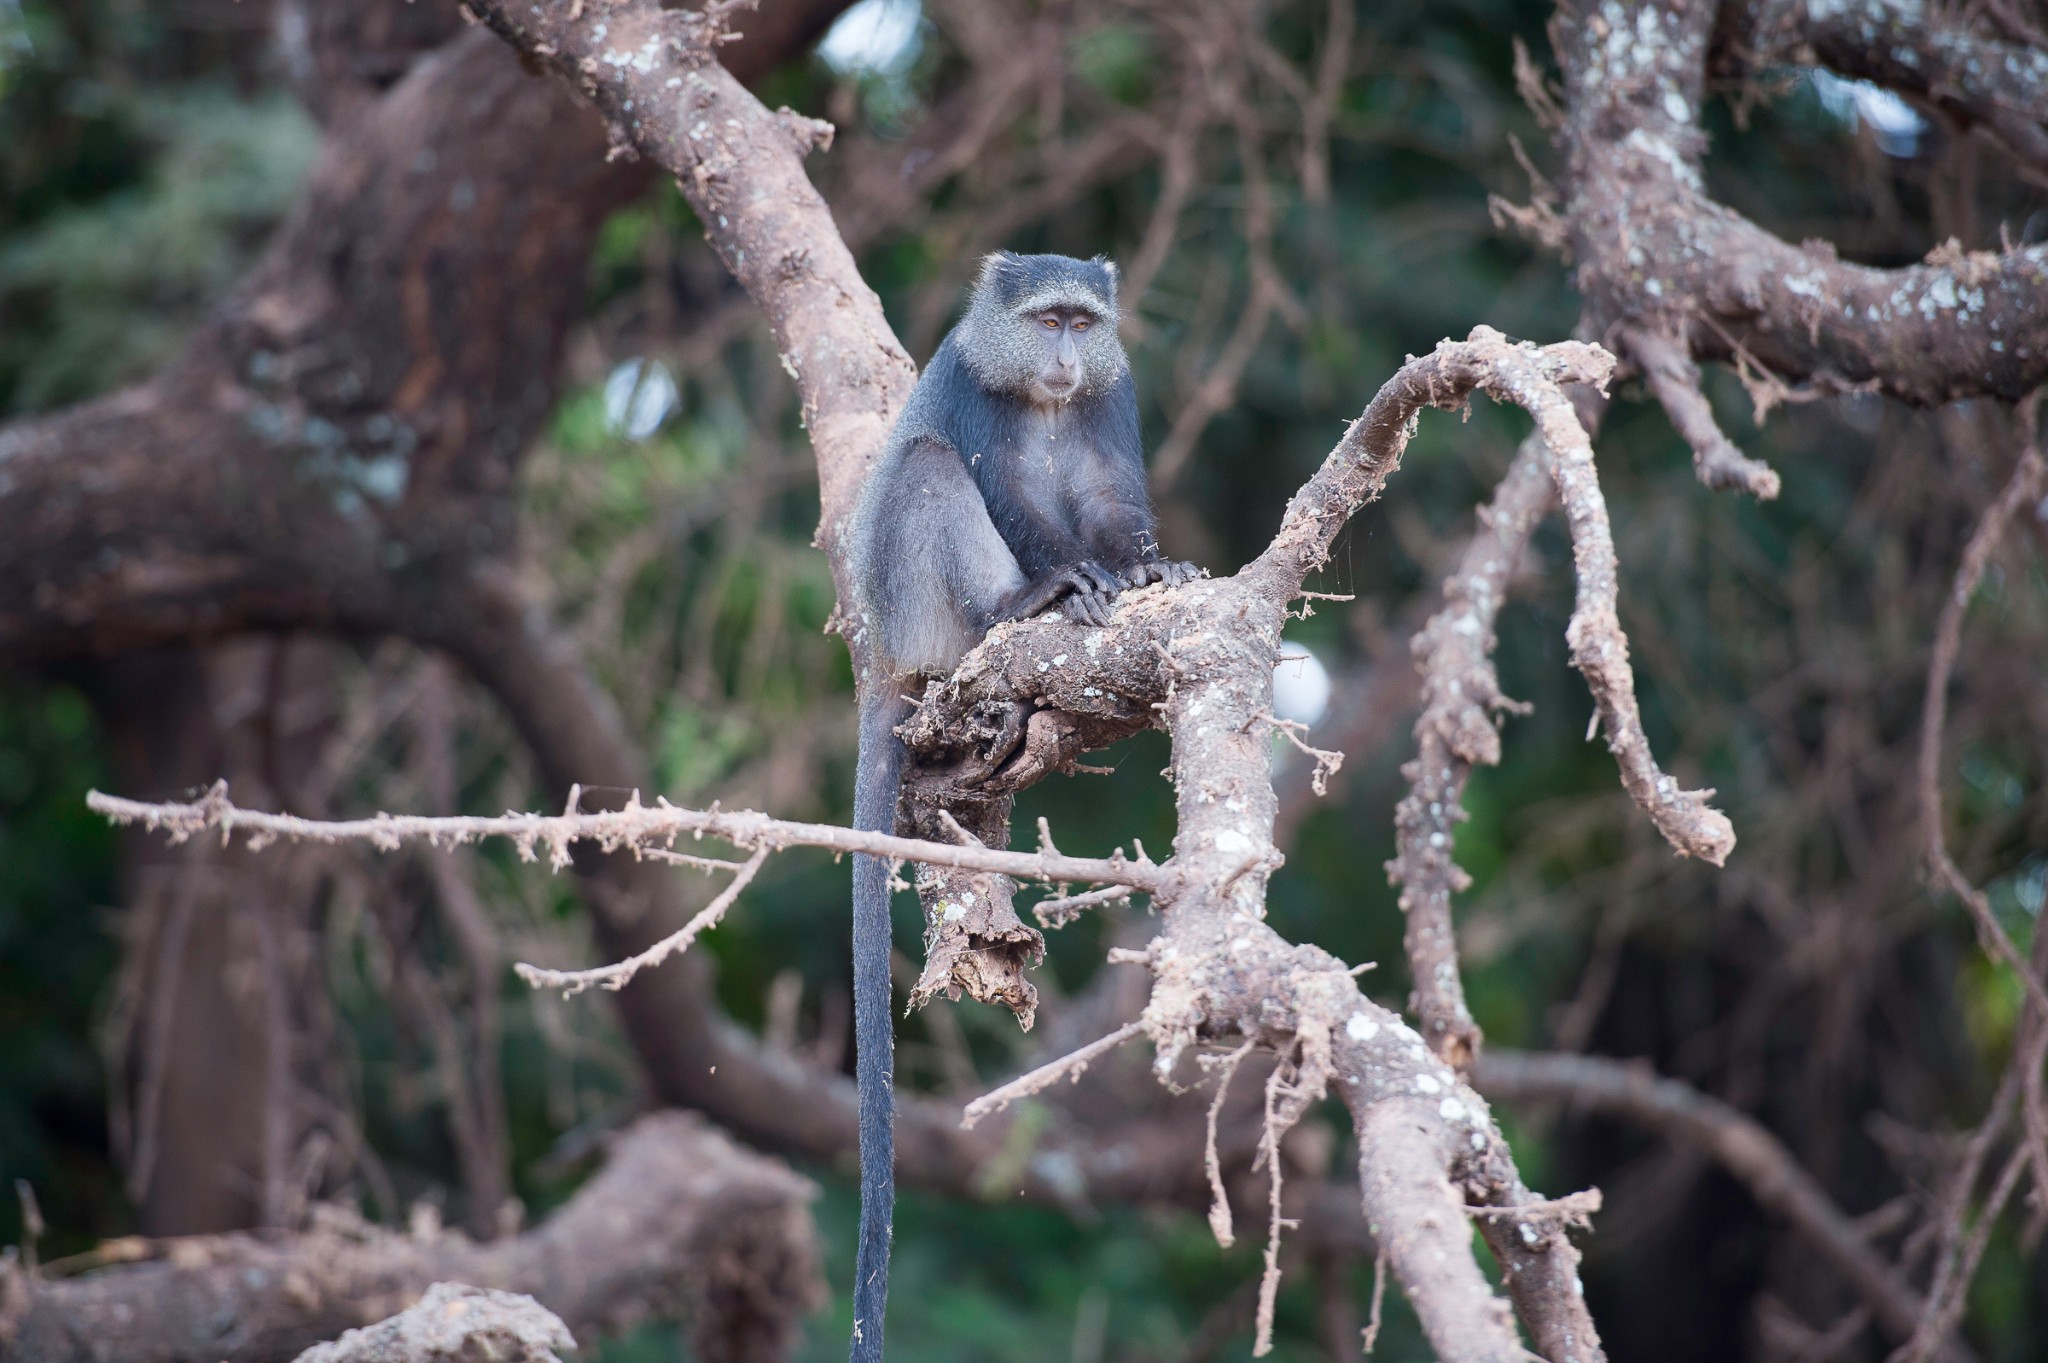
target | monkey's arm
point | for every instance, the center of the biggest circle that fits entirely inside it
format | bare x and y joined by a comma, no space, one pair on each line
1114,504
1043,545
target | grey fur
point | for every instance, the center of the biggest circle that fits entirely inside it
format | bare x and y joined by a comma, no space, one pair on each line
929,569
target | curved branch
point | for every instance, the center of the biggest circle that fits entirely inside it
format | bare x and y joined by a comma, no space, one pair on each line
1927,51
1456,731
2021,491
1655,252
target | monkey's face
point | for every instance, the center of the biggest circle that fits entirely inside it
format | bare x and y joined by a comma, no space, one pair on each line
1043,328
1064,336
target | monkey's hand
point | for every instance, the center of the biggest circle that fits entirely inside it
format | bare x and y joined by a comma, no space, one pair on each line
1169,571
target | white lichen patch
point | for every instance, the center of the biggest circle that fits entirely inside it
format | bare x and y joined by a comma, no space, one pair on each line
1231,840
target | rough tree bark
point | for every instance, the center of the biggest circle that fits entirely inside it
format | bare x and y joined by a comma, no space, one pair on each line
680,1223
1670,276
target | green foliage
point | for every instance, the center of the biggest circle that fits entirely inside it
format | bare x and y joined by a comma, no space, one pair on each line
58,950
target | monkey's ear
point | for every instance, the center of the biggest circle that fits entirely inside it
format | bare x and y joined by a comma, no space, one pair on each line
1108,267
994,266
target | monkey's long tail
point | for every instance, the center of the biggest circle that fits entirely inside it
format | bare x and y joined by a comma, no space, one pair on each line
876,785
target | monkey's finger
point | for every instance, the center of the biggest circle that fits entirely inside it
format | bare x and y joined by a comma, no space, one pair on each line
1104,582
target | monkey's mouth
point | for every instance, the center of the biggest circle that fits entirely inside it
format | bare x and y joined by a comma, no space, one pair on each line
1057,390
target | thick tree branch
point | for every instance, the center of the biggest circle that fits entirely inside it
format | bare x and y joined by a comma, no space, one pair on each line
1657,257
1930,52
679,1222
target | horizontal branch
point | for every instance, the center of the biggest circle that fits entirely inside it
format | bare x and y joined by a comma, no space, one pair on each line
1743,1146
635,828
679,1218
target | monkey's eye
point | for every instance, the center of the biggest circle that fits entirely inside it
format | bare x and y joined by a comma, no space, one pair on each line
1081,324
1050,322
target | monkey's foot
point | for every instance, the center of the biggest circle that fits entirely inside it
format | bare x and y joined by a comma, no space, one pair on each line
1171,572
1089,608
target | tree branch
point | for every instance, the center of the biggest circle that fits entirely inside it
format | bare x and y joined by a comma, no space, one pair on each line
635,828
1633,1091
1929,52
1457,730
1657,257
679,1221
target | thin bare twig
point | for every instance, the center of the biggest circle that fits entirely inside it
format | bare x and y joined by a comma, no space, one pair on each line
1219,1199
630,829
1070,1065
2021,490
620,974
1057,913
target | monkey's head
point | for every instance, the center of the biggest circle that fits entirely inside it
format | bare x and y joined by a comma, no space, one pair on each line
1044,327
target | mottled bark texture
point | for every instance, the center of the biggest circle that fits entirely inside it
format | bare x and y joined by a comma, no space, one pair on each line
455,1324
1956,60
679,1223
1670,276
1457,730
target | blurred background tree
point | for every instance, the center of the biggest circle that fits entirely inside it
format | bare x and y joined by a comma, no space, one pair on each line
1300,198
